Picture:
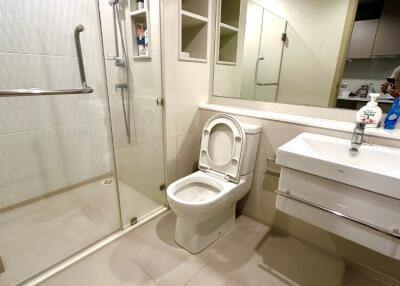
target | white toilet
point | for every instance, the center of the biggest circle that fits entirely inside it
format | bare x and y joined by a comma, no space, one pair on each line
205,201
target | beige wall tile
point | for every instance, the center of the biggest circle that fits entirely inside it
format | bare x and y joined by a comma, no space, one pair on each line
187,154
171,160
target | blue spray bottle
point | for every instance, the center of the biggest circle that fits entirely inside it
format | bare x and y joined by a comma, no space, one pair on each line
393,114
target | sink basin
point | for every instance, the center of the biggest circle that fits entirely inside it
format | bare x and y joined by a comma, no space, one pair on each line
375,168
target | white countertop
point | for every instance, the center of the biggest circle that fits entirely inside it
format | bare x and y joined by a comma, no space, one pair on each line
382,99
302,120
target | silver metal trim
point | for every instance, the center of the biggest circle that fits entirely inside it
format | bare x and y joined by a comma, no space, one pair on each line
38,91
269,170
256,74
392,233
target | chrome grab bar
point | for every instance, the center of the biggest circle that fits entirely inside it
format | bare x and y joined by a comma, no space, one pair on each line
38,91
395,233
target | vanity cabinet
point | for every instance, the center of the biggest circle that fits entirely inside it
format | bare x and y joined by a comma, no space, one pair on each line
362,39
387,41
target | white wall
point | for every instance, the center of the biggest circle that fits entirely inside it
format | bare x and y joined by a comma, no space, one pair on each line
50,142
186,86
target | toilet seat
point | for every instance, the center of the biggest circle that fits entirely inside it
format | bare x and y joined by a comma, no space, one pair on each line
222,144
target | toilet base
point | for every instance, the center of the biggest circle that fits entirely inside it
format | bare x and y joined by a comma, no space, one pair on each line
195,237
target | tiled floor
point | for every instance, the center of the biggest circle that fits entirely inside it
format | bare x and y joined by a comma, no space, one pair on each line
38,235
249,254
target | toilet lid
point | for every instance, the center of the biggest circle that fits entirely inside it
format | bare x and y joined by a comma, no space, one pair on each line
222,145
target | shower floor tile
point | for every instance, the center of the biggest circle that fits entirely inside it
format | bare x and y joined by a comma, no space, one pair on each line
249,254
38,235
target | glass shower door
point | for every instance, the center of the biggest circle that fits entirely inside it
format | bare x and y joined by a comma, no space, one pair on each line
135,90
55,150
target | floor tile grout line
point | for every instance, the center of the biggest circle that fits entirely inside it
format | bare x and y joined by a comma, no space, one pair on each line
217,251
137,263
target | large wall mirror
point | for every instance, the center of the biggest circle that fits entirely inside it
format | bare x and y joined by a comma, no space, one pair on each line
329,53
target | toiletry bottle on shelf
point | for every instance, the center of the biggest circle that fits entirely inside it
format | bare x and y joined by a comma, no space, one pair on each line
140,39
370,114
140,4
393,115
146,42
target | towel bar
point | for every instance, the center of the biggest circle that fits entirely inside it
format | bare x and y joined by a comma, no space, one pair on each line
38,91
392,233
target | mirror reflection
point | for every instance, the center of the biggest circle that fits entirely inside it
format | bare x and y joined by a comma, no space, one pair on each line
268,51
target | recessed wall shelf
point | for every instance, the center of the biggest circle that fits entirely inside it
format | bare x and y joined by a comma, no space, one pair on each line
133,5
230,12
138,12
193,30
198,7
141,57
140,17
228,31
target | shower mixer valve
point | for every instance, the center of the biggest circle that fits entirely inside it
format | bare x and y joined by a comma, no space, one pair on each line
119,62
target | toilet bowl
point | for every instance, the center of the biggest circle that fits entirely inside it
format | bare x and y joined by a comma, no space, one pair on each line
205,201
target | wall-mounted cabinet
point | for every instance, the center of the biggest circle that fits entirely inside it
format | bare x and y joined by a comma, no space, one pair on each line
193,30
140,21
228,21
377,37
362,39
387,42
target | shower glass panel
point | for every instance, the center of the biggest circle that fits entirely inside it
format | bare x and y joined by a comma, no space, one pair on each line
134,85
58,192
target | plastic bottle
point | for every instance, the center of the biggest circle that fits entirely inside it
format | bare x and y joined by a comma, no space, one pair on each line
370,114
393,114
146,42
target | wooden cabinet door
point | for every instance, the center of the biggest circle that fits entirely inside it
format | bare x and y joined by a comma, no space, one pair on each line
362,39
387,40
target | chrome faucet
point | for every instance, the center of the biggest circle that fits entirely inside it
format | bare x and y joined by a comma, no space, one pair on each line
357,138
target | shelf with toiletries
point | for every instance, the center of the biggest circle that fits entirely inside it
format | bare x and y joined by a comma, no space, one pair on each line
140,29
137,6
228,31
193,30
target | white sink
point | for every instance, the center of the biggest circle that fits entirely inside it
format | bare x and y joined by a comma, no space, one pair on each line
357,198
375,168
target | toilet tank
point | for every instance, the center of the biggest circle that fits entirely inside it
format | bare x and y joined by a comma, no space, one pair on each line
253,134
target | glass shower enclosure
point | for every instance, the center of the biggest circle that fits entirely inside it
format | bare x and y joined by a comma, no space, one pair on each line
81,141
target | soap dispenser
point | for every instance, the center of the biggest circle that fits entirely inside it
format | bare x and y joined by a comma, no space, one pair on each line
370,114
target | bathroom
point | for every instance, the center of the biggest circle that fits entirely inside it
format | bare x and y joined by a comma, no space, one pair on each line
192,142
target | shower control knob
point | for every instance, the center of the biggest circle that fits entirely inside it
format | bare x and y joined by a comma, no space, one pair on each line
119,62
